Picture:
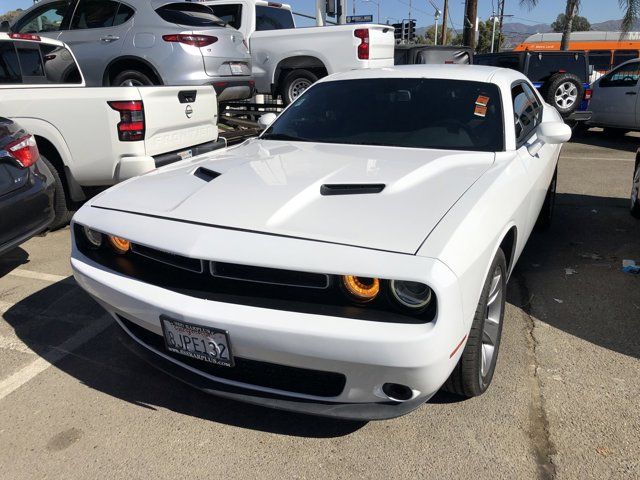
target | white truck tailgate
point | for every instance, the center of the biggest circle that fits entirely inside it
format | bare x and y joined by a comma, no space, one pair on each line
178,117
381,42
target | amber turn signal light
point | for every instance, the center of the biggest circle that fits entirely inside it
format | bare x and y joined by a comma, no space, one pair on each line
361,289
120,245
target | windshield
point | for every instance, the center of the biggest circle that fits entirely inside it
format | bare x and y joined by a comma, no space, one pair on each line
397,112
189,14
543,66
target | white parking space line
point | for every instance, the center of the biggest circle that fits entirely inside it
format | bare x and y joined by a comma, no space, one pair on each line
599,159
55,354
47,277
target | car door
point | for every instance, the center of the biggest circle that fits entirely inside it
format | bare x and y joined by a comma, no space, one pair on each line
96,35
528,112
47,20
615,97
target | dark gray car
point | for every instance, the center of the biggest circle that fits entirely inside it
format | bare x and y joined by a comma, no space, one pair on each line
146,42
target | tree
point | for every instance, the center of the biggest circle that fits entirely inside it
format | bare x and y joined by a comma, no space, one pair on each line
429,35
485,31
579,24
10,15
631,10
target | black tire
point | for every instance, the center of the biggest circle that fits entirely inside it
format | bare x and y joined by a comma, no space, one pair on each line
467,379
574,90
635,188
295,81
546,213
61,205
134,77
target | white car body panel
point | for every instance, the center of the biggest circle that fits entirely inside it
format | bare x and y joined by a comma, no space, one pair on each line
82,127
264,210
335,46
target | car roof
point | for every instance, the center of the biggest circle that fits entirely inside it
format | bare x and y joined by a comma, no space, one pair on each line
477,73
45,40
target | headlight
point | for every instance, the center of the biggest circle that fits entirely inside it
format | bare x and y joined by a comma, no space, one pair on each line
361,289
412,295
120,245
94,238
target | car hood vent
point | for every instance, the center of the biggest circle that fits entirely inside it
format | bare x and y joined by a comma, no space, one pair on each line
351,188
205,174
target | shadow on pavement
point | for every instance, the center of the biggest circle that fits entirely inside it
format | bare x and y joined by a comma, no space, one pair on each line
55,313
570,277
12,259
600,138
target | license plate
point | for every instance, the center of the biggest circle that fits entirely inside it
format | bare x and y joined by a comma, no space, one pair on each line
185,154
236,68
195,341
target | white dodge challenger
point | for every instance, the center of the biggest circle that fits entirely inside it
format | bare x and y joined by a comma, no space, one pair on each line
350,261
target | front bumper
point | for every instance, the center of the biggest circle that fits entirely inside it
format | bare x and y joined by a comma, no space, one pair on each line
367,353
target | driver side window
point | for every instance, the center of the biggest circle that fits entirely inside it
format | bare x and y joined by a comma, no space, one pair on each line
624,76
48,18
527,112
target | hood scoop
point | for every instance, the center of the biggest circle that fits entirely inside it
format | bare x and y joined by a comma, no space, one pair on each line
205,174
351,188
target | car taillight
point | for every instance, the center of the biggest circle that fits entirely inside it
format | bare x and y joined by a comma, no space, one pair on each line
363,48
193,40
588,93
25,36
131,126
24,150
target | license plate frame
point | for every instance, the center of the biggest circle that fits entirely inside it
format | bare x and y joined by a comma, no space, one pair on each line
172,328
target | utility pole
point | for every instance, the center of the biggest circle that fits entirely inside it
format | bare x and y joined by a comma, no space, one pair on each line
437,17
470,23
501,10
445,15
494,19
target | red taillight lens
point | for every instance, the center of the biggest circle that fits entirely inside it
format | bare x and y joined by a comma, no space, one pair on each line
588,93
193,40
363,48
24,36
131,126
24,150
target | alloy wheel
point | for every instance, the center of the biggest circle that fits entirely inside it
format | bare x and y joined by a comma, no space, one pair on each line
130,82
635,188
566,95
491,327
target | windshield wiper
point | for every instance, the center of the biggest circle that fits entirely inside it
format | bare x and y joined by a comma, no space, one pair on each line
282,136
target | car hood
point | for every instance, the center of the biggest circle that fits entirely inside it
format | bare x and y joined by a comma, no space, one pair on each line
274,187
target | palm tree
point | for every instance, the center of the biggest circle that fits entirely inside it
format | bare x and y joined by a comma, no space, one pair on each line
631,10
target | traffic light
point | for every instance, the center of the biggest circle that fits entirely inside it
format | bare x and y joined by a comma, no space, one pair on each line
397,32
411,34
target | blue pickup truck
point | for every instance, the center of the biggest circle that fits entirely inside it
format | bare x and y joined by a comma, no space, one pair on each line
562,78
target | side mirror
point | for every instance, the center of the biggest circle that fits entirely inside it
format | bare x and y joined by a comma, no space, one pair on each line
551,133
265,120
4,26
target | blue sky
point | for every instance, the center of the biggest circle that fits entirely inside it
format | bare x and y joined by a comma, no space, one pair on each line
545,12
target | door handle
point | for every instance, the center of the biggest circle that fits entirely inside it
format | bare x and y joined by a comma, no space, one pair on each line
630,93
109,38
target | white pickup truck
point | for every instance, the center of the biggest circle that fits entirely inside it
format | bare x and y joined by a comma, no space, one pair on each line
287,60
95,137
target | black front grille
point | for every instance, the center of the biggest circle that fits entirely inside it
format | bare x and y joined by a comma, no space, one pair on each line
276,276
253,372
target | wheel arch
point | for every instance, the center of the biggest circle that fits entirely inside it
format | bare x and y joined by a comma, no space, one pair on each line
72,189
133,62
508,247
306,62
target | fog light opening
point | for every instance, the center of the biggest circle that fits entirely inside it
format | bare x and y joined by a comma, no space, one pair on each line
397,392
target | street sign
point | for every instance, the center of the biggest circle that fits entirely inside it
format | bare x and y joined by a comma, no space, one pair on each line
360,19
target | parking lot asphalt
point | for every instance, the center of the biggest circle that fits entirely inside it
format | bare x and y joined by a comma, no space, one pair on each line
563,404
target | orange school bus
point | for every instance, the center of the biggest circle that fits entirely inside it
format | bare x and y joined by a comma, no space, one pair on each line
606,49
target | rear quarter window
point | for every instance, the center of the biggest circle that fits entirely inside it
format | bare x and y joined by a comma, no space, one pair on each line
189,14
9,66
543,66
273,18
